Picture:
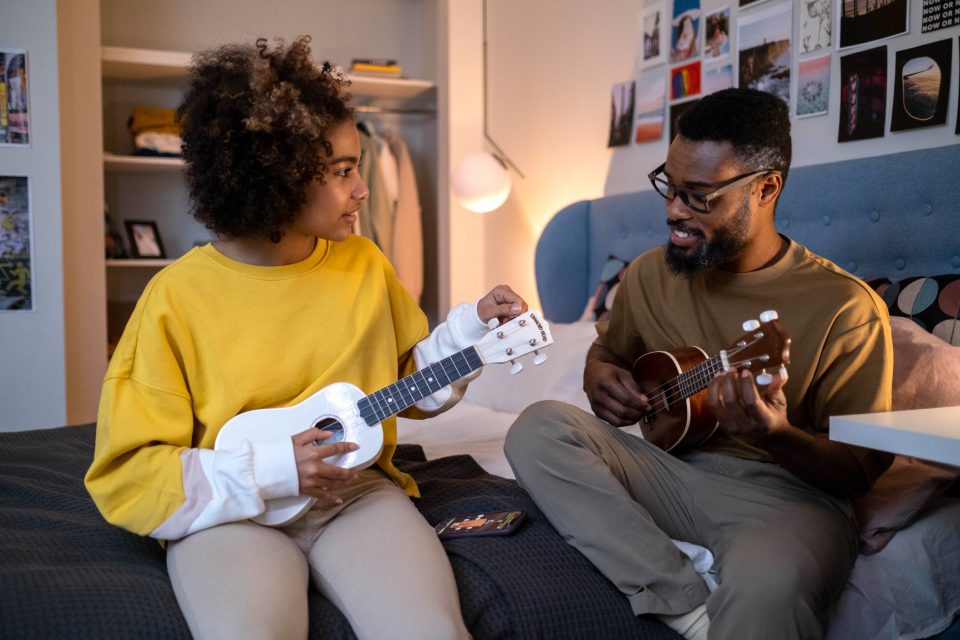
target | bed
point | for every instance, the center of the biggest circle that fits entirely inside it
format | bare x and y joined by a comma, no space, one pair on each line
893,220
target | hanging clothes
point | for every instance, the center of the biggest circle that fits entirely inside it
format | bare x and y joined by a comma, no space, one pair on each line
407,224
376,212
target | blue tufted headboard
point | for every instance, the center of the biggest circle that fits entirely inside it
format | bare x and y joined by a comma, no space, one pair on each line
895,216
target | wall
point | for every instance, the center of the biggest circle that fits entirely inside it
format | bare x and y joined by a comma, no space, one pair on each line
32,388
552,64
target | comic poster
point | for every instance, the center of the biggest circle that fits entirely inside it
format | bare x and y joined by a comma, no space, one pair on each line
14,97
16,267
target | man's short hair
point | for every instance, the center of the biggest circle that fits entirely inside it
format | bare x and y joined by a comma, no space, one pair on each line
756,123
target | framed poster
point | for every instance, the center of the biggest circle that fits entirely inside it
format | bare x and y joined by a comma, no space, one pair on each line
16,245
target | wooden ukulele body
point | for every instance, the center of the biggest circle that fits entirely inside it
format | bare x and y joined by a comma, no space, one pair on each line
678,421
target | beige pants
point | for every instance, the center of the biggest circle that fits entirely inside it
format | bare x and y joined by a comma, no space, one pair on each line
374,557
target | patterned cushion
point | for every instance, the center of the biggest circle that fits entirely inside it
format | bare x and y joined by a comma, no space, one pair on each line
600,303
933,302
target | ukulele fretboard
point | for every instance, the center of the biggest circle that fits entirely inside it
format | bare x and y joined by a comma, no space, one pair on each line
391,400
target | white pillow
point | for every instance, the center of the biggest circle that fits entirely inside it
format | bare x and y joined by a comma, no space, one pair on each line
559,378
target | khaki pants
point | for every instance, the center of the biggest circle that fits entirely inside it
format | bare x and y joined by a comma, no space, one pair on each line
374,557
783,549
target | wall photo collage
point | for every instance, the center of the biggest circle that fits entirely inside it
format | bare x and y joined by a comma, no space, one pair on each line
688,51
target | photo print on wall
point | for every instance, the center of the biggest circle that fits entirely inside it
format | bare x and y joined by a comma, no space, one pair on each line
939,14
652,25
14,97
621,113
764,57
16,251
863,21
716,35
921,86
651,105
816,25
813,86
685,81
863,94
685,30
717,79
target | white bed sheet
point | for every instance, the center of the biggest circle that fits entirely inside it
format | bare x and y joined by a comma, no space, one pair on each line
909,590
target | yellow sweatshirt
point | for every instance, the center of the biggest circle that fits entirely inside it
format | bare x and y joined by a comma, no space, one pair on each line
210,338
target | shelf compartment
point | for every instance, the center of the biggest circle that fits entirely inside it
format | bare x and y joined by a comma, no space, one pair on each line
115,163
152,263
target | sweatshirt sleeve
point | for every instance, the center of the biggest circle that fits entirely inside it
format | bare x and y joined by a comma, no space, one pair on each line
463,328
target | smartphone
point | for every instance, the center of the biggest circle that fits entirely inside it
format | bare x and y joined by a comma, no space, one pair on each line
497,523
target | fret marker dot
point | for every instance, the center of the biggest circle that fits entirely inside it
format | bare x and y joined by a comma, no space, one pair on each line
389,399
429,379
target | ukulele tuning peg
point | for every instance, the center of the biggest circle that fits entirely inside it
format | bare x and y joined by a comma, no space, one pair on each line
769,315
515,367
764,378
539,358
750,325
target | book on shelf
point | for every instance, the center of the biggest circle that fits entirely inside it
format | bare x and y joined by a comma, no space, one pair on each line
383,67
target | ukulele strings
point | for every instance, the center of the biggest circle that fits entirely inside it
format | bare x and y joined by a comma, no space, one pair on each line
699,374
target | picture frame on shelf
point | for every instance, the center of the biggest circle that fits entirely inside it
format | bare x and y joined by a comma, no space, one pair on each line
144,239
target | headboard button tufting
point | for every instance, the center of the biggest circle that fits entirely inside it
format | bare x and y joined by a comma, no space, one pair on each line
785,223
826,221
955,261
874,215
900,264
852,267
927,209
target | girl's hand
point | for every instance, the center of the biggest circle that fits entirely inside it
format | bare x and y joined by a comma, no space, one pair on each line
317,478
501,303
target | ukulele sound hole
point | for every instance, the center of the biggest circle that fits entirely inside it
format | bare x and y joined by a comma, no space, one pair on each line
332,427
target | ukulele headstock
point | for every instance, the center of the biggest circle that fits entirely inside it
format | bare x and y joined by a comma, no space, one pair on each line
527,333
764,345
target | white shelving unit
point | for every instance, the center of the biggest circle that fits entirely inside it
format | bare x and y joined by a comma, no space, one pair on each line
137,76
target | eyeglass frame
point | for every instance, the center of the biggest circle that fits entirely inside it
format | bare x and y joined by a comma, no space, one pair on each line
685,194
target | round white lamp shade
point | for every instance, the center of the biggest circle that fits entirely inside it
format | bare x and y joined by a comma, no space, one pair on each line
480,182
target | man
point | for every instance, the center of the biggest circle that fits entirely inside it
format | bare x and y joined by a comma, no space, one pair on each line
768,492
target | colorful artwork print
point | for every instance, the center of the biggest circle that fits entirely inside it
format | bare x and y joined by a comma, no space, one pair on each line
651,103
764,57
717,79
14,98
863,21
653,43
716,42
685,81
922,84
621,113
16,272
863,94
816,25
685,30
813,86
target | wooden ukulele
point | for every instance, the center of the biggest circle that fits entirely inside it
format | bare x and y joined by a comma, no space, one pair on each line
676,381
346,412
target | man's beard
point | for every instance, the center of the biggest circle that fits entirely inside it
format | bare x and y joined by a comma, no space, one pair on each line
727,243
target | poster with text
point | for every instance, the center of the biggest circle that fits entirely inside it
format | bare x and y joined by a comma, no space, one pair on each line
863,21
816,25
653,25
863,94
16,250
921,85
651,106
764,56
14,98
685,30
813,87
940,14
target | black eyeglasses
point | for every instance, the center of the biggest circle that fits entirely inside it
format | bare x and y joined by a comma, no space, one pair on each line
699,202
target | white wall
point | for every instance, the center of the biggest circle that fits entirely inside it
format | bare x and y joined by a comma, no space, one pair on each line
552,64
32,388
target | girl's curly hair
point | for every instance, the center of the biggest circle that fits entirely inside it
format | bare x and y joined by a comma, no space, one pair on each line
253,123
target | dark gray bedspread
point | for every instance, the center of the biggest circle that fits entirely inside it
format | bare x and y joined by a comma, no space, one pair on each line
66,573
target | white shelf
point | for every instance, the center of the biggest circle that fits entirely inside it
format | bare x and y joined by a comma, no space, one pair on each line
140,164
138,262
123,63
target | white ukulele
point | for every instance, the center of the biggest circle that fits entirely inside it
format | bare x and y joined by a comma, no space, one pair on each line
343,410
